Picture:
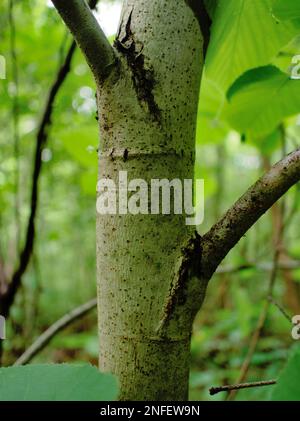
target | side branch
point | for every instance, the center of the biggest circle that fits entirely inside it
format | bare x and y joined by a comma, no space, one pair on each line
80,20
226,233
200,12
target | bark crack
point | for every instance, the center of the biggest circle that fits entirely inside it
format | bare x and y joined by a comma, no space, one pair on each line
142,76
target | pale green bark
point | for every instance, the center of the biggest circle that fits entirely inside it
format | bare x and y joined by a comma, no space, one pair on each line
147,110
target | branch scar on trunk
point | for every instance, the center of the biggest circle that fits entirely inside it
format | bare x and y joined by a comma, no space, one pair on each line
189,268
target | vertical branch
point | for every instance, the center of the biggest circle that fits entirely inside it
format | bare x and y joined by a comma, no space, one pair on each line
9,290
41,140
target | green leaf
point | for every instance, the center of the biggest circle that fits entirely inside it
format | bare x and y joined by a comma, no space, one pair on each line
286,60
288,385
210,128
260,99
56,382
286,9
244,35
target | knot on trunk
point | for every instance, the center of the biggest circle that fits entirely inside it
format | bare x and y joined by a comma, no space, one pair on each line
184,298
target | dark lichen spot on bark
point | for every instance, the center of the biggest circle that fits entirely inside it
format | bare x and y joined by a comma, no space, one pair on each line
142,77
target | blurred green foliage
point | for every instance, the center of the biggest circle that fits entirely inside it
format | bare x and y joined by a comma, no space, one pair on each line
56,382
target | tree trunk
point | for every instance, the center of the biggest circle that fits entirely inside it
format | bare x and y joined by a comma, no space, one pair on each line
147,109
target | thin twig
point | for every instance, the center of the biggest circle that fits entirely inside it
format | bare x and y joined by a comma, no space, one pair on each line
228,388
280,308
53,330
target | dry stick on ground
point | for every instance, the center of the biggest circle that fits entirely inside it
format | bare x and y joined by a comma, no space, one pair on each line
43,340
228,388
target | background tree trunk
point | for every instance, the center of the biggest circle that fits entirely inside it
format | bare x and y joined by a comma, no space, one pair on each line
147,109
